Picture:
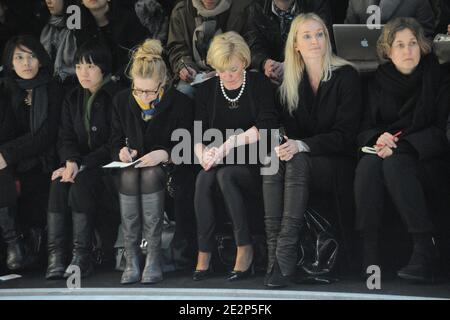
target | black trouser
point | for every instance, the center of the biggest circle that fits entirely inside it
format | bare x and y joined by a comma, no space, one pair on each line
236,183
397,177
82,196
34,186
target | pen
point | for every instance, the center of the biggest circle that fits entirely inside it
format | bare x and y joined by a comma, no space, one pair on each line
186,67
128,148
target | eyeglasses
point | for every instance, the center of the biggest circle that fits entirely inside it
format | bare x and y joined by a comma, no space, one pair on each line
139,92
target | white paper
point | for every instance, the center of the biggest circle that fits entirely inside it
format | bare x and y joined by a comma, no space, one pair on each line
10,277
202,77
121,165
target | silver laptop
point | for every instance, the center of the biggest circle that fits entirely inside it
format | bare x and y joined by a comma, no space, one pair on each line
358,44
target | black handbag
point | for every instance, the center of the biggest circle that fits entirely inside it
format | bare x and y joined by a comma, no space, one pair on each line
318,250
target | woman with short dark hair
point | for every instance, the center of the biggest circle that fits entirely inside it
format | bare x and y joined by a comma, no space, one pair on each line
83,148
29,115
405,124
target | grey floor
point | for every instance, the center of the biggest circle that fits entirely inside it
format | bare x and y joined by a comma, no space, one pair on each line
105,284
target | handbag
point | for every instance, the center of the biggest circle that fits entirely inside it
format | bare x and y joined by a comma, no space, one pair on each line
318,250
441,46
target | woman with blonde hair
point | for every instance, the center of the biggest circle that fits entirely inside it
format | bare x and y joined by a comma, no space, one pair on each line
320,106
233,100
142,123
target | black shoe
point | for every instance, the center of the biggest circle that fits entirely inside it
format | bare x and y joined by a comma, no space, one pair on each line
56,267
200,275
240,275
15,255
421,266
83,262
276,279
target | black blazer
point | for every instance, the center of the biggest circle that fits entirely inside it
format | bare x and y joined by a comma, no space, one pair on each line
22,148
174,111
73,137
328,122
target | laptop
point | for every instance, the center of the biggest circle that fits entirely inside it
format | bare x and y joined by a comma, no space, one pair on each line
358,44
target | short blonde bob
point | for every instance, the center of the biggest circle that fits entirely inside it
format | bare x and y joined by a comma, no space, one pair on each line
226,46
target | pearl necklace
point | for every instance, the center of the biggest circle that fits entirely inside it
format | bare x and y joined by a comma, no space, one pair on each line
234,102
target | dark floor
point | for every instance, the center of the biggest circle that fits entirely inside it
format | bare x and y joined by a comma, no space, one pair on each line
107,278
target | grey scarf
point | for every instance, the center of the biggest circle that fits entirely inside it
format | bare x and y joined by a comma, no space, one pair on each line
206,29
61,45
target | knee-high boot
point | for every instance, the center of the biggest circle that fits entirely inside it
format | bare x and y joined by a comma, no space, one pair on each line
15,251
153,212
56,223
132,233
82,242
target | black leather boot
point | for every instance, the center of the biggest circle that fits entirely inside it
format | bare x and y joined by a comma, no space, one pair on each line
56,223
15,253
422,264
153,213
82,242
132,231
273,227
276,279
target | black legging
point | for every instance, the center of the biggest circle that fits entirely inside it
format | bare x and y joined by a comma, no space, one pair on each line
236,183
136,181
398,177
34,188
81,196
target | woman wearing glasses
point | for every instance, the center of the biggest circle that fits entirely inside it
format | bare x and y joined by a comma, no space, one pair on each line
143,120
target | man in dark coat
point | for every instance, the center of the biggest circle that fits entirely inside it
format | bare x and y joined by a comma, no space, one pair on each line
268,27
419,9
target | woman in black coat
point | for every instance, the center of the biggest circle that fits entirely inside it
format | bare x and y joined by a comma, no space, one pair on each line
241,102
83,148
29,111
144,118
321,108
405,123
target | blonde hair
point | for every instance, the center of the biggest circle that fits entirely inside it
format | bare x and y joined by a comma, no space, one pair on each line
294,65
226,46
389,33
147,62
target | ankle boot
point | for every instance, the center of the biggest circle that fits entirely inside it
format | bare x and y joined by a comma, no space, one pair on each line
132,231
82,240
15,253
153,213
56,223
422,264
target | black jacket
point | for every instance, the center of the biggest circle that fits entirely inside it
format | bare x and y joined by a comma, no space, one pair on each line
328,122
21,148
174,111
182,26
263,32
123,33
421,10
427,140
73,137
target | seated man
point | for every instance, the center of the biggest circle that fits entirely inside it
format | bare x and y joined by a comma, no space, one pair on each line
269,23
192,26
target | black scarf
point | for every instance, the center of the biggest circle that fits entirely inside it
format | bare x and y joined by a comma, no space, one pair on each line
39,107
413,95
